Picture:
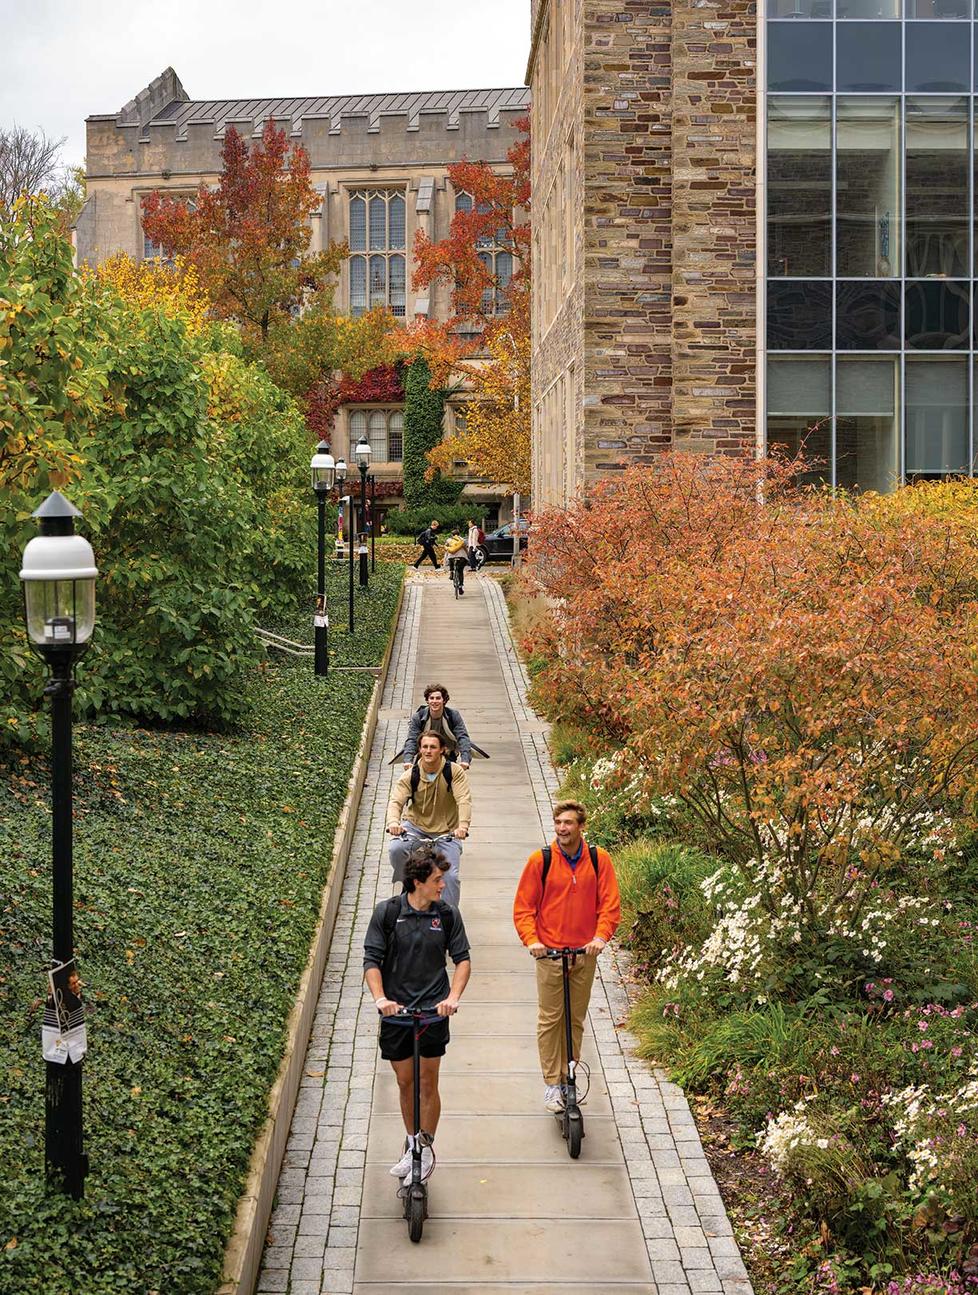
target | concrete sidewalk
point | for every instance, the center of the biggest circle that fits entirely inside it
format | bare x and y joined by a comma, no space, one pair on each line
509,1210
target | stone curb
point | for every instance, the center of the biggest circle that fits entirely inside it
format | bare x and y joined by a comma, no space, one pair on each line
243,1255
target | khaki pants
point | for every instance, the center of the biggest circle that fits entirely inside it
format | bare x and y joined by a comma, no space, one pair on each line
551,1039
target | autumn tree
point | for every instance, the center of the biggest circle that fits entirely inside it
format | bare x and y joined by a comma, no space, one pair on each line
248,237
797,670
485,262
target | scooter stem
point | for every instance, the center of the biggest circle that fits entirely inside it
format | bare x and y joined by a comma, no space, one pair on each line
567,1017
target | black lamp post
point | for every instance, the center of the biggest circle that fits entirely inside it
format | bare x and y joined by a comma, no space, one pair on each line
362,456
59,602
323,480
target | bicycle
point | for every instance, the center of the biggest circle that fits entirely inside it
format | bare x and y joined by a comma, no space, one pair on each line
455,565
415,1193
570,1119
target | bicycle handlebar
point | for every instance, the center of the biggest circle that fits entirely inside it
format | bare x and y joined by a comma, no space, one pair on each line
412,1014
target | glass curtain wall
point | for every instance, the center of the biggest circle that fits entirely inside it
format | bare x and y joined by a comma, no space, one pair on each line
872,350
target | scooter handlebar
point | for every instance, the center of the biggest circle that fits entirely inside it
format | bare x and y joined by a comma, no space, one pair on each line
559,953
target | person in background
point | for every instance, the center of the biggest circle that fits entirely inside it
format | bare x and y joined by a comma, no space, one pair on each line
472,541
436,716
456,555
426,539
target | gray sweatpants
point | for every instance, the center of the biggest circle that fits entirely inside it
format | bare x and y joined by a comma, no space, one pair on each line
450,846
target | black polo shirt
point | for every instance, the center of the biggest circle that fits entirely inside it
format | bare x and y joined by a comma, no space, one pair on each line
414,970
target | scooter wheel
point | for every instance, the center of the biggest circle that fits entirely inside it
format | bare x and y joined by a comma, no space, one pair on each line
417,1212
575,1131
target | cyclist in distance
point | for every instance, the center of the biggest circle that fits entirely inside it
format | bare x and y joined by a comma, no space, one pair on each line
431,802
457,557
567,898
404,957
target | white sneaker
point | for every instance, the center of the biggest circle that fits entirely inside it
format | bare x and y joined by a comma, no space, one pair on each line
403,1166
553,1099
427,1165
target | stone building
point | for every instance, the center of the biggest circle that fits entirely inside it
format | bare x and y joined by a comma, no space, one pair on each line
379,162
754,231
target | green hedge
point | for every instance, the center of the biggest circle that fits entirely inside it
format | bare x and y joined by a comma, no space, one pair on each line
411,521
424,412
199,862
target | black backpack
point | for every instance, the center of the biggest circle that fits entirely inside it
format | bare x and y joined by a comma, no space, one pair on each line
416,778
546,852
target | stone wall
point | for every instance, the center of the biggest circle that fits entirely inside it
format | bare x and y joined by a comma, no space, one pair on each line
660,324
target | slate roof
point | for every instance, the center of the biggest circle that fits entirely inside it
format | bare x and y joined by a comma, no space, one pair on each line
373,106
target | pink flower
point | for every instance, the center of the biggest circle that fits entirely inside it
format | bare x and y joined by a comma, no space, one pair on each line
888,996
922,1025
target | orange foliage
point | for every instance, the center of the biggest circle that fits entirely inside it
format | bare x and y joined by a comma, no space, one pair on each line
800,671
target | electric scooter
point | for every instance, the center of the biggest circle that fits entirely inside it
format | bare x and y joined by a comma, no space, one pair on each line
570,1119
413,1191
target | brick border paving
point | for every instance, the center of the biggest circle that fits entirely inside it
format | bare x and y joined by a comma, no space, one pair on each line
312,1239
690,1241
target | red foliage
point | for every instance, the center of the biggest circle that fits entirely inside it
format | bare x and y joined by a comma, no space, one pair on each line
248,236
382,385
497,219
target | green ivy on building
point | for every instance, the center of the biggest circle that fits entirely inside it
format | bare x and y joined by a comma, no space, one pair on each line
424,411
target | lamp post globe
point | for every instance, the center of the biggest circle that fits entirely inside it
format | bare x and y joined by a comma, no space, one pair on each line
323,469
340,483
362,454
58,573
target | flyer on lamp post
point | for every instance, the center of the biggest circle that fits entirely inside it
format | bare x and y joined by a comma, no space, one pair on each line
63,1034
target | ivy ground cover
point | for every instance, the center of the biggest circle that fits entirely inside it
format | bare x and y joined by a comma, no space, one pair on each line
199,862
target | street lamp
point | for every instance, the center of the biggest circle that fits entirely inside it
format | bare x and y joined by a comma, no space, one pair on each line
362,456
323,479
59,574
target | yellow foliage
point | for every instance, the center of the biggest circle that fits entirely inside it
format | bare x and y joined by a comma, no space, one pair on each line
496,440
174,289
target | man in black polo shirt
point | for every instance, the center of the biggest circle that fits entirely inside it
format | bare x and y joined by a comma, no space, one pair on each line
404,956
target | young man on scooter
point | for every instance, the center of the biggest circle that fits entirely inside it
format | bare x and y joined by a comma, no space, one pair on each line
404,957
431,801
567,898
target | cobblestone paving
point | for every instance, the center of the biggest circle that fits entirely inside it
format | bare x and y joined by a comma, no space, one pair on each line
313,1236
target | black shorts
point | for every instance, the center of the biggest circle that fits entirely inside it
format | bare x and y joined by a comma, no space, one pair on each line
397,1038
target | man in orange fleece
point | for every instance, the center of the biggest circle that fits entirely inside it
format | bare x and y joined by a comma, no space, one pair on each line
571,904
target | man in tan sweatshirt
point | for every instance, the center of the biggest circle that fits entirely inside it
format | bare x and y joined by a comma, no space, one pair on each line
431,801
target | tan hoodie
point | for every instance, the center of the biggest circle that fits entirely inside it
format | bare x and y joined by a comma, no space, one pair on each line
434,809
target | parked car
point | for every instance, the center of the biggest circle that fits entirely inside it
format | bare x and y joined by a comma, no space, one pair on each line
498,545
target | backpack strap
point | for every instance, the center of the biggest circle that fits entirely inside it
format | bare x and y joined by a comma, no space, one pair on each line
416,778
592,851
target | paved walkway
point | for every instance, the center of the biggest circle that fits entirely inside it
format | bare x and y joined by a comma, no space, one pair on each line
639,1212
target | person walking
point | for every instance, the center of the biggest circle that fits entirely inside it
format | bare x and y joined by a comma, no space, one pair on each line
426,539
456,555
430,801
472,542
567,898
404,965
436,716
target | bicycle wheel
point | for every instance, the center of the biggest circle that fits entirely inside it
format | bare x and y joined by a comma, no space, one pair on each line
575,1132
417,1212
456,579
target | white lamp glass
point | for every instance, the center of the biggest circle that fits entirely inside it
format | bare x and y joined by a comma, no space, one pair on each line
323,468
362,452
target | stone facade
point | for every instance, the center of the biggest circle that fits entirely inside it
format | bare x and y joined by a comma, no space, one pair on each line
644,199
394,143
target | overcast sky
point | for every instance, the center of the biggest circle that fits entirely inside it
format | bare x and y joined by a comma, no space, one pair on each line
62,60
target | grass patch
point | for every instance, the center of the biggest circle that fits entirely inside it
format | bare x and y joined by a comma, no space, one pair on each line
199,863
